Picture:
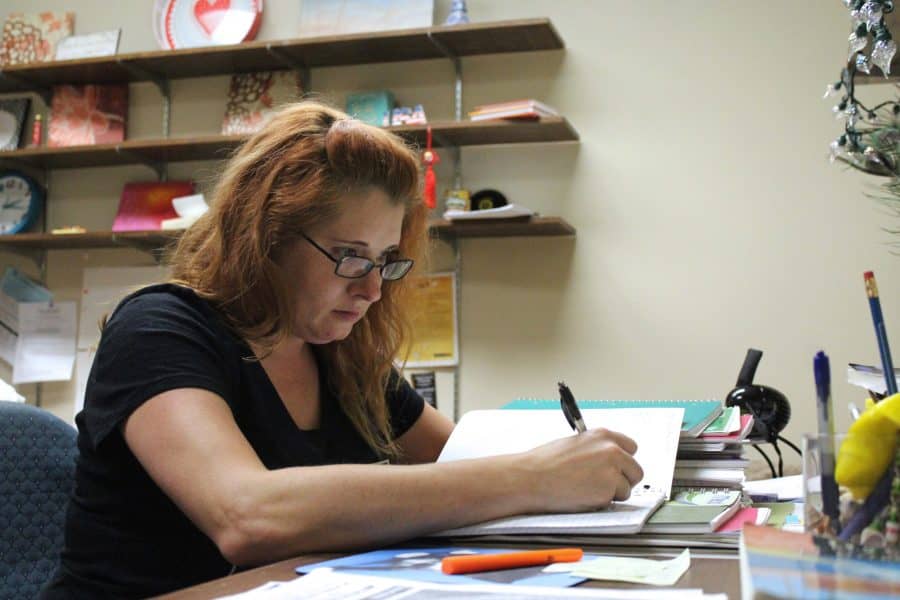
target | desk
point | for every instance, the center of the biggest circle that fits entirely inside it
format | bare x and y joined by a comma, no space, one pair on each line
713,575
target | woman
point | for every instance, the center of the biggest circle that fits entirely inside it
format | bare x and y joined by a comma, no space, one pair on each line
235,416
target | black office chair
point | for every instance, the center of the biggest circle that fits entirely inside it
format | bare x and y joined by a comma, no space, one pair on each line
37,474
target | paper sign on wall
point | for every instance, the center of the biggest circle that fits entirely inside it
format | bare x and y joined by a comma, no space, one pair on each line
46,347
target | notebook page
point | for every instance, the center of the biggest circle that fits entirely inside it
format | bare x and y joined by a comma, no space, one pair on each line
494,432
656,431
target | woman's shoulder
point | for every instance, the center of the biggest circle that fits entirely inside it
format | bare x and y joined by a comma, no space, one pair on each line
165,304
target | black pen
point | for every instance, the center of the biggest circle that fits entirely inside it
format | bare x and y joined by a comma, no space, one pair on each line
570,408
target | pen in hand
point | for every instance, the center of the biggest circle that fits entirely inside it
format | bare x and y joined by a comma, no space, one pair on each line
570,408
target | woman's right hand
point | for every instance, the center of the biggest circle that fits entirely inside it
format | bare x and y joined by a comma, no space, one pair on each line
582,472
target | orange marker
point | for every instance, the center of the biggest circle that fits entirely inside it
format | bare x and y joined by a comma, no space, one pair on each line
475,563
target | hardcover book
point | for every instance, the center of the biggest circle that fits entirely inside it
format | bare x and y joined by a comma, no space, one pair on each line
516,109
254,97
32,37
87,115
143,206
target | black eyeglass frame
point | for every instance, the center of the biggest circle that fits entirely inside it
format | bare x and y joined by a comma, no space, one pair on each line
370,264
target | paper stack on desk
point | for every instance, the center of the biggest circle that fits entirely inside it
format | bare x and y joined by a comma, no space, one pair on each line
483,433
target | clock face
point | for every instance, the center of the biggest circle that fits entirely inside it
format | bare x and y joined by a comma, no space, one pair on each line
20,200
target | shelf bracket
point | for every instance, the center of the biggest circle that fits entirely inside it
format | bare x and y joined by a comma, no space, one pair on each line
28,85
292,63
161,83
457,157
35,255
457,67
160,168
154,250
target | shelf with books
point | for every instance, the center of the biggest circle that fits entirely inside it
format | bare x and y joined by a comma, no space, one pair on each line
154,240
521,35
214,147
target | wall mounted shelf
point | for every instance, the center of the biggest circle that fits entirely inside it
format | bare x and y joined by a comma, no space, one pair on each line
214,147
523,35
154,240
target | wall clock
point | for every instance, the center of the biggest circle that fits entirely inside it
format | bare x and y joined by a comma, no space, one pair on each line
21,200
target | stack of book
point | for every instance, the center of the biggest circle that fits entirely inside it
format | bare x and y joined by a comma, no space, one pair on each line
515,109
715,457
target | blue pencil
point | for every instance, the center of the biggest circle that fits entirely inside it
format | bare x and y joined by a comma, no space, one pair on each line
880,496
887,364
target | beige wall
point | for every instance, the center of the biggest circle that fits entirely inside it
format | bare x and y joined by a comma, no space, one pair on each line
708,217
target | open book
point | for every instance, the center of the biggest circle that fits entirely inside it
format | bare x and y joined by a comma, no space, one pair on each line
483,433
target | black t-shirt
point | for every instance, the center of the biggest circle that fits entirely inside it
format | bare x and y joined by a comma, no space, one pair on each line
124,537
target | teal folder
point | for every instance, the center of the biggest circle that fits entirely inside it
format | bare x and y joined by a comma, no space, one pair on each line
698,414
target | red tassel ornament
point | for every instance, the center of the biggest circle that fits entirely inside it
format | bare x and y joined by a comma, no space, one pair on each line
430,158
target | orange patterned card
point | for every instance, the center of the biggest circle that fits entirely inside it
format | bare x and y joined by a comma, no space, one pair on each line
32,37
87,115
254,97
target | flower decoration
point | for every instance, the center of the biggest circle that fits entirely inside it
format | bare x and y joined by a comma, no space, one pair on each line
871,138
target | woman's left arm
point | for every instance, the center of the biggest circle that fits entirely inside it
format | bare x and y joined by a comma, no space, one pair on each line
424,441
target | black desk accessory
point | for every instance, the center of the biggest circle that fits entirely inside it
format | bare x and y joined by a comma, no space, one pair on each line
770,408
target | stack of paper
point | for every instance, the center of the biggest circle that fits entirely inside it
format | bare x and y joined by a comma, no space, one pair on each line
716,457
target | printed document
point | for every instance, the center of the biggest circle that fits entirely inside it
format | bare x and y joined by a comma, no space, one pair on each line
46,347
325,584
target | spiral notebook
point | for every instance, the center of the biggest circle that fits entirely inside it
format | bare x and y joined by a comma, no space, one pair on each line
698,414
483,433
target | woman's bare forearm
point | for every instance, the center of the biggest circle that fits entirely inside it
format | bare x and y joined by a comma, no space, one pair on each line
311,509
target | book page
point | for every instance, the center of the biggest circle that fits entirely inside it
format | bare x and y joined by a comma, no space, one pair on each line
492,432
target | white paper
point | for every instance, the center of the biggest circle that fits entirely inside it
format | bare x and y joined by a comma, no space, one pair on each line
46,348
507,211
868,377
783,488
190,206
101,290
635,570
494,432
102,43
657,432
326,584
9,394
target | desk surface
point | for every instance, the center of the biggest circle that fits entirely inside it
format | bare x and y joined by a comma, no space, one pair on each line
712,575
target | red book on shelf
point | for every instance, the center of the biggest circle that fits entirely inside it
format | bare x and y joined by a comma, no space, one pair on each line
144,205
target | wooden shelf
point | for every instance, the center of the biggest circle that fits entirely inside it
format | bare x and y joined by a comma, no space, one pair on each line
153,240
213,147
524,35
535,226
143,240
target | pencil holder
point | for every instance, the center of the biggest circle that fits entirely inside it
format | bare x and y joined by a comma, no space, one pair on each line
862,463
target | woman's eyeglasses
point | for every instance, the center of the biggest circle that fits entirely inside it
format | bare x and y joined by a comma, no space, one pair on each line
354,267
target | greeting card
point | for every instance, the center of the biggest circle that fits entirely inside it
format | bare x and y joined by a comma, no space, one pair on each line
32,37
87,114
254,97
